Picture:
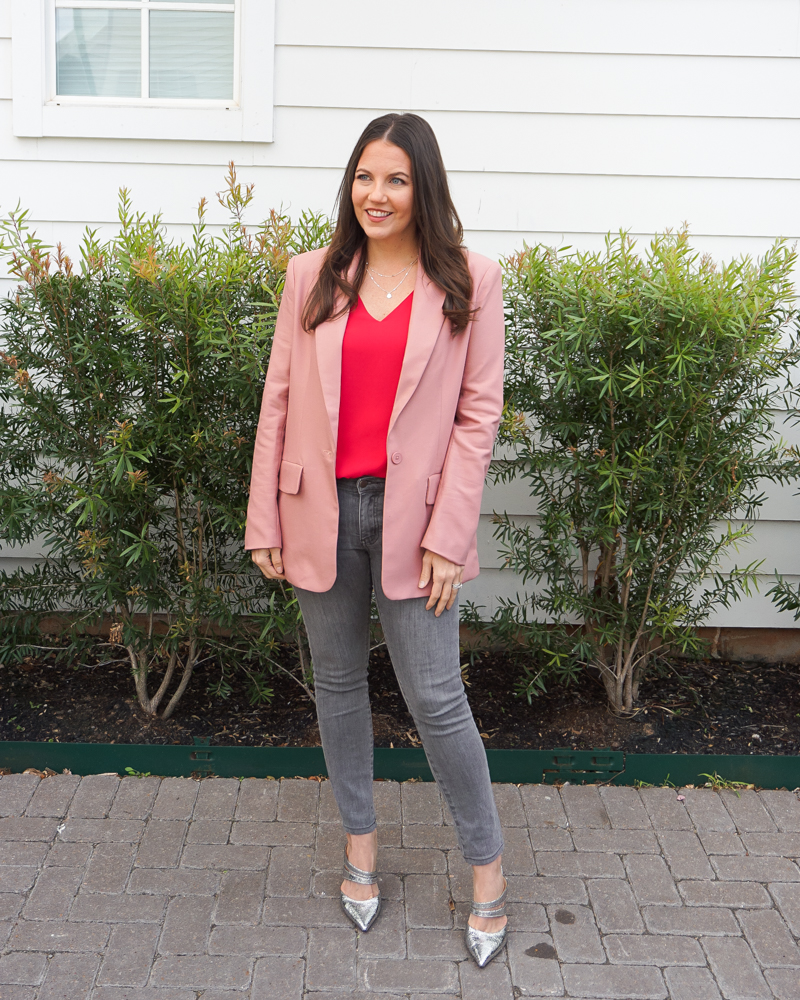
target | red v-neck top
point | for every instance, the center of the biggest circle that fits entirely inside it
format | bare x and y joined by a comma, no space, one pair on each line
372,356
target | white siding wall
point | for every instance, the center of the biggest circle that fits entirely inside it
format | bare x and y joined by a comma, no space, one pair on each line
559,120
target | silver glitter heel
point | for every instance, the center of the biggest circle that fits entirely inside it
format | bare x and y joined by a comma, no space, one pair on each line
485,945
361,911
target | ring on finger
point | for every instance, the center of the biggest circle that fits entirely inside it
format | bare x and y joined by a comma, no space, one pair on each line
456,586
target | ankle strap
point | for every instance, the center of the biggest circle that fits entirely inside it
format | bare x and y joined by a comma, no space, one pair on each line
353,874
497,907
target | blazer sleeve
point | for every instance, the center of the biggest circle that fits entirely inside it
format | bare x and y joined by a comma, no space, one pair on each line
454,522
263,529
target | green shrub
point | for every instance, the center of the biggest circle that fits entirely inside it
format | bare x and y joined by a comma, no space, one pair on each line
786,595
639,412
130,387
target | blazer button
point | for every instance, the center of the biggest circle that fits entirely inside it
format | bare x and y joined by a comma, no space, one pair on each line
397,458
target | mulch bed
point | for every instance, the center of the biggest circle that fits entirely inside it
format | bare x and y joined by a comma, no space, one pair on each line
705,707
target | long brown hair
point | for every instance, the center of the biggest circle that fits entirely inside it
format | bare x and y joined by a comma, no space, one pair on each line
440,233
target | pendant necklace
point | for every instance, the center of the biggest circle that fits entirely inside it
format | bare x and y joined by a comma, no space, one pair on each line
404,271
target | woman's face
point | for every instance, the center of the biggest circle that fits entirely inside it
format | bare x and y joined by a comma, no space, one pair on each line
383,197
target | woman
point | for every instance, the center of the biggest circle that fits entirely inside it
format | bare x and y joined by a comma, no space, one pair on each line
381,405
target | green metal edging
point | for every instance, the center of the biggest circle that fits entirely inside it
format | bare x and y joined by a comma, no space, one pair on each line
514,766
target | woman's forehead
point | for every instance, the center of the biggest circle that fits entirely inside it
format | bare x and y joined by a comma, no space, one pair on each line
384,157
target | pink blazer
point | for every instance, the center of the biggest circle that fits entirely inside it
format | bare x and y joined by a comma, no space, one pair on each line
442,430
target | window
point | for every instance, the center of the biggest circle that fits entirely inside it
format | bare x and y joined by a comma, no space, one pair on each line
179,69
145,50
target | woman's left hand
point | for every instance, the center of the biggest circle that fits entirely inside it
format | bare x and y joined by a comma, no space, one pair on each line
446,581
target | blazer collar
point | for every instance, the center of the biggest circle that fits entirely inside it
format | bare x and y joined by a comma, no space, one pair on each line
424,327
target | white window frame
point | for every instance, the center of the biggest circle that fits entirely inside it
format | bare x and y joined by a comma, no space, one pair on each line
37,111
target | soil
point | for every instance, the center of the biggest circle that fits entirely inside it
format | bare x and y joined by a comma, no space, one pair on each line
710,707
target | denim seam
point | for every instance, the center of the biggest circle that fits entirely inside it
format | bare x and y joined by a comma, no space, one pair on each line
374,820
366,654
453,813
444,792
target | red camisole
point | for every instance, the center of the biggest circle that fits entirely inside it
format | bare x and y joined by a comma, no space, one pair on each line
372,356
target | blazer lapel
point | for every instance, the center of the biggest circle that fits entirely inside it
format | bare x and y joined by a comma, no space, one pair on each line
423,331
328,338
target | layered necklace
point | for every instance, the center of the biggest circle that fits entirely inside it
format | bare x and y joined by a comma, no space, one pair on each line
371,271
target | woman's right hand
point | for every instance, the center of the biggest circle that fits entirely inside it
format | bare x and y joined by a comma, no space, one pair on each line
269,562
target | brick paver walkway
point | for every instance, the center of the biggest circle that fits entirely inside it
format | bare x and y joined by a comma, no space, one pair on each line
144,889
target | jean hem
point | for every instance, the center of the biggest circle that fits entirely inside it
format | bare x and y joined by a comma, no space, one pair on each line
486,861
360,832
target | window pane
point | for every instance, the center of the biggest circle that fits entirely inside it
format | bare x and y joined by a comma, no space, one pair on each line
98,53
191,54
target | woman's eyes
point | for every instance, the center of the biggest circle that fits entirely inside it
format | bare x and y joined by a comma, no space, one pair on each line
366,177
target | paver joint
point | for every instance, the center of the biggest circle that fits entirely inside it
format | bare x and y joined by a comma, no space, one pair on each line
176,889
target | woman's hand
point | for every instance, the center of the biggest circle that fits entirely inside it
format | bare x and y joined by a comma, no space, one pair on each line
446,581
269,562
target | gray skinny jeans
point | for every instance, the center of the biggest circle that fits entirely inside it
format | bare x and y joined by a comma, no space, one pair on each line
425,655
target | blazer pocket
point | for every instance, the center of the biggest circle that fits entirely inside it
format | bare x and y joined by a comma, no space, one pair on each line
433,488
290,476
